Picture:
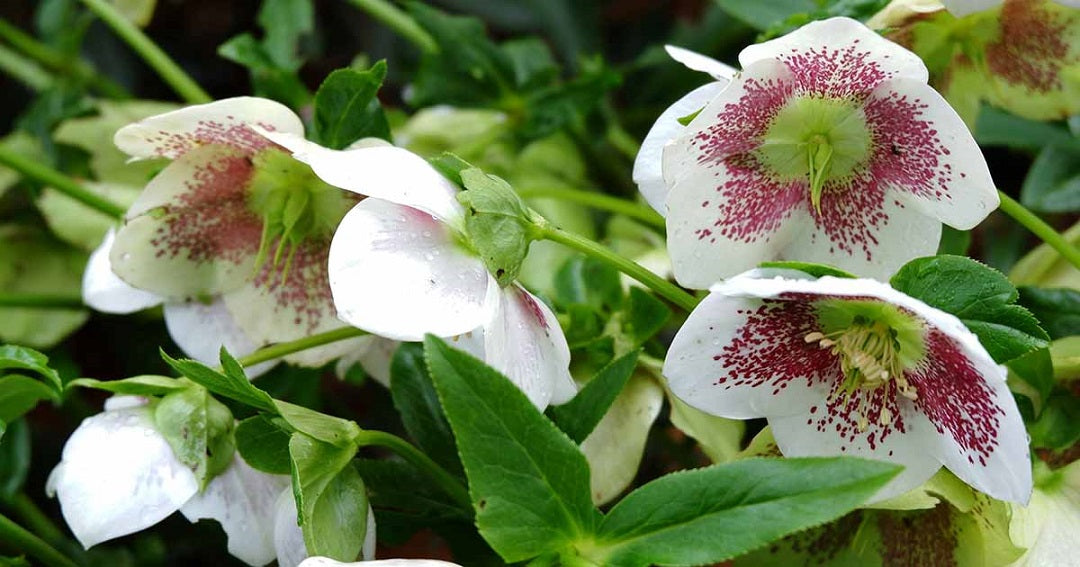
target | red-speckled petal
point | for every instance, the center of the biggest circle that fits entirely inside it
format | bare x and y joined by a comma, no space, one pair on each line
838,57
524,341
103,291
191,232
226,122
399,273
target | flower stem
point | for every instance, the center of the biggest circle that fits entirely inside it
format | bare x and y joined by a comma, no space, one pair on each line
1022,215
33,517
661,286
25,542
40,300
59,181
396,19
53,59
166,68
282,349
599,201
444,480
24,70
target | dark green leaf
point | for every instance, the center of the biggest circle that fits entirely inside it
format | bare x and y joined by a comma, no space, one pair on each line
645,315
285,24
450,166
20,394
530,63
400,486
713,514
12,356
550,109
14,458
980,296
1037,369
1058,426
263,442
579,416
325,428
199,429
234,386
588,281
418,403
996,127
528,481
347,108
762,14
134,386
816,270
330,498
1058,310
1052,184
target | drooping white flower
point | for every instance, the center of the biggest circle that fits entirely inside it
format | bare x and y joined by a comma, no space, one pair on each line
118,475
648,173
400,267
854,367
232,218
828,147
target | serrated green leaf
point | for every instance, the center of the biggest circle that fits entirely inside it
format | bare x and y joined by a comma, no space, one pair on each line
418,404
347,109
710,515
1052,184
579,416
233,386
20,394
330,498
980,296
263,442
528,481
134,386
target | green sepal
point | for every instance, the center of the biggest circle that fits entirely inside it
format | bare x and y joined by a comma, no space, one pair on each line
330,497
199,429
263,442
148,385
497,223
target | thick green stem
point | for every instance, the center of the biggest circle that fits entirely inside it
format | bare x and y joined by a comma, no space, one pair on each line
41,300
23,541
165,67
1051,237
282,349
35,519
59,181
661,286
444,480
53,59
396,19
599,201
23,70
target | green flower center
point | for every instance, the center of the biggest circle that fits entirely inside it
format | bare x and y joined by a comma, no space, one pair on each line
295,205
875,342
816,139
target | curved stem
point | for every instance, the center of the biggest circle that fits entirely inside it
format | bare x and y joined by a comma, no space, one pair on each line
50,57
396,19
166,68
1051,237
24,70
41,300
26,542
59,181
444,480
661,286
599,201
282,349
34,518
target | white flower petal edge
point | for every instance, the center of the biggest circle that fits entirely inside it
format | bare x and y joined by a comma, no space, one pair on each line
226,121
648,173
720,71
1048,525
103,291
841,33
201,329
118,476
288,538
399,273
243,500
524,341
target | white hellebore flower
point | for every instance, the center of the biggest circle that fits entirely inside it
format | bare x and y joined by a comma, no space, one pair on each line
233,230
853,367
118,475
400,267
828,147
648,173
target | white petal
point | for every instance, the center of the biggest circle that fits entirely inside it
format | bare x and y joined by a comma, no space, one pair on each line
906,234
961,8
698,62
828,38
648,172
244,501
399,273
374,355
201,329
367,550
959,190
118,476
104,291
225,121
524,341
288,537
697,374
1047,527
394,174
